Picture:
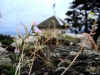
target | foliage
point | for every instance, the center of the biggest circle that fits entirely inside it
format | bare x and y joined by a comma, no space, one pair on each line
6,39
65,37
77,25
68,37
11,71
79,13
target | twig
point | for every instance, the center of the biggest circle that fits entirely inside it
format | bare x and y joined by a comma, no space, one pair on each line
74,58
91,33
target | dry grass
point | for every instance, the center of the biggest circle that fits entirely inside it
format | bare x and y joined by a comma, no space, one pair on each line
91,34
38,48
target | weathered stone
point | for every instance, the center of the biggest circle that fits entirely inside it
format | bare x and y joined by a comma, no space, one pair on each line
5,61
3,50
87,58
56,57
98,43
0,44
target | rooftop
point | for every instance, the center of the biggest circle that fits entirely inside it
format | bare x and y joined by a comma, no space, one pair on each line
51,22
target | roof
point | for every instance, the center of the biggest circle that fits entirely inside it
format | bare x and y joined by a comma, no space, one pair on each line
50,22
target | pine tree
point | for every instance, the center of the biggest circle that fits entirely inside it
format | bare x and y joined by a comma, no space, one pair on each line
78,16
82,9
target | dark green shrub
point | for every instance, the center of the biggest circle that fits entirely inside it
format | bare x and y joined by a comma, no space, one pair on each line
7,41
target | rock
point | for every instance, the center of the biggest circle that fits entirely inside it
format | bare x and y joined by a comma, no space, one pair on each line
40,67
55,58
4,67
0,44
3,50
11,48
5,61
29,40
60,69
64,63
82,38
14,44
17,43
98,43
86,63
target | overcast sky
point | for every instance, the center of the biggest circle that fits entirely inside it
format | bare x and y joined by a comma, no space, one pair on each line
15,11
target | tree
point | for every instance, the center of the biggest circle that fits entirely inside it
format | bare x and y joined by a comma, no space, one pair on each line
83,8
74,19
6,39
78,15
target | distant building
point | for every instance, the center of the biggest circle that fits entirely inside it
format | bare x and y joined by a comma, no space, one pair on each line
51,23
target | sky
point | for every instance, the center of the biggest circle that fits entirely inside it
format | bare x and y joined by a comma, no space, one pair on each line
13,12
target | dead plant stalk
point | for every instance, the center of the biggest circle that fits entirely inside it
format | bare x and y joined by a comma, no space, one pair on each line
91,33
